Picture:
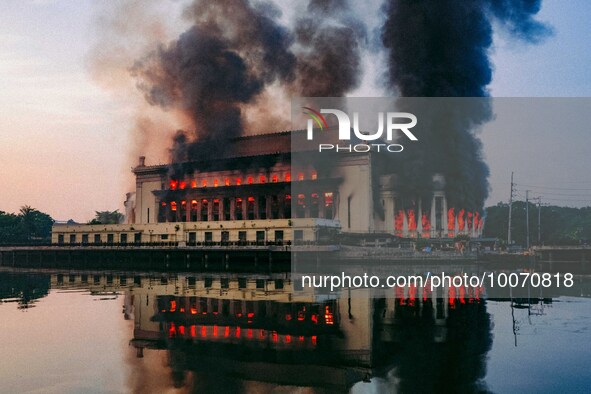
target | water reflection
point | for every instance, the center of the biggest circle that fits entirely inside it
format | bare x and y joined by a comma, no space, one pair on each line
249,333
256,333
25,290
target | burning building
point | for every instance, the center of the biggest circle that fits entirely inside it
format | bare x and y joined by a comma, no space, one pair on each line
253,191
236,57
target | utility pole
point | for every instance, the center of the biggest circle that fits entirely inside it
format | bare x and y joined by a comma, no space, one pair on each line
510,209
539,215
527,219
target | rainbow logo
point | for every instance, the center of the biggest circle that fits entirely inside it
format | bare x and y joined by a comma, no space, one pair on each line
317,116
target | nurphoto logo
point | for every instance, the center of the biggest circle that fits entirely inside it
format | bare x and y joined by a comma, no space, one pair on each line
394,122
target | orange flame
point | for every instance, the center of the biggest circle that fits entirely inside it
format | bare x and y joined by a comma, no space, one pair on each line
412,222
426,224
399,222
461,221
451,222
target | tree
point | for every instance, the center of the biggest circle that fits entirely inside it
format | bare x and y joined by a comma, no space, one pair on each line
107,217
29,225
36,225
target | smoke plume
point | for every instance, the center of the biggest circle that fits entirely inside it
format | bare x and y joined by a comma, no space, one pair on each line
440,48
329,39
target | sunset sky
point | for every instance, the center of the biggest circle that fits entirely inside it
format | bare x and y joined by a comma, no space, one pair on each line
65,145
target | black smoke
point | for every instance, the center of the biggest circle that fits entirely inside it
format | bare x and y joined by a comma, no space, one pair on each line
223,61
441,48
329,40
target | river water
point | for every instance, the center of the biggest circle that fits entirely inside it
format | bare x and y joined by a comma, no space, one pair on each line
116,332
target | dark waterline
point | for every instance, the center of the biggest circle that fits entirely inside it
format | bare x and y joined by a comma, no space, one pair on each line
97,332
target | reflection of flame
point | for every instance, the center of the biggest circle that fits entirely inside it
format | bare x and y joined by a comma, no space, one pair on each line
476,221
469,220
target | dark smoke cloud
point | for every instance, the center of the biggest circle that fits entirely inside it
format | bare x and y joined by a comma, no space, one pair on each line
440,48
223,61
329,39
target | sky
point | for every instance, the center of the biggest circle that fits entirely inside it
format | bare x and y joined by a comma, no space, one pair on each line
65,142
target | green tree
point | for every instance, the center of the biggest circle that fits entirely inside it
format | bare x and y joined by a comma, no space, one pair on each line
107,217
29,225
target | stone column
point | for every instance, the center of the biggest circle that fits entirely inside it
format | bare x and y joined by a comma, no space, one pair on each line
269,206
233,208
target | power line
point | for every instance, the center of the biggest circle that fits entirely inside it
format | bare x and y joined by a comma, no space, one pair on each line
553,187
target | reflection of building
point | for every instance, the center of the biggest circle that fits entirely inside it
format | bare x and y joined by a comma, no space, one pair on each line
256,189
238,332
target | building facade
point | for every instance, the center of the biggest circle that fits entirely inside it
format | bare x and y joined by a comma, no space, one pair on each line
259,189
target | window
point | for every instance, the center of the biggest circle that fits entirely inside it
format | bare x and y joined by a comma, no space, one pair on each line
72,238
204,210
216,209
182,185
288,177
225,236
260,283
226,208
110,238
123,238
215,183
263,179
204,183
60,238
262,207
97,238
227,182
250,180
207,282
314,205
278,283
300,176
278,235
238,209
192,237
242,283
260,236
298,235
137,238
163,236
208,236
193,184
250,208
314,175
328,205
225,283
84,238
301,206
275,179
242,236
